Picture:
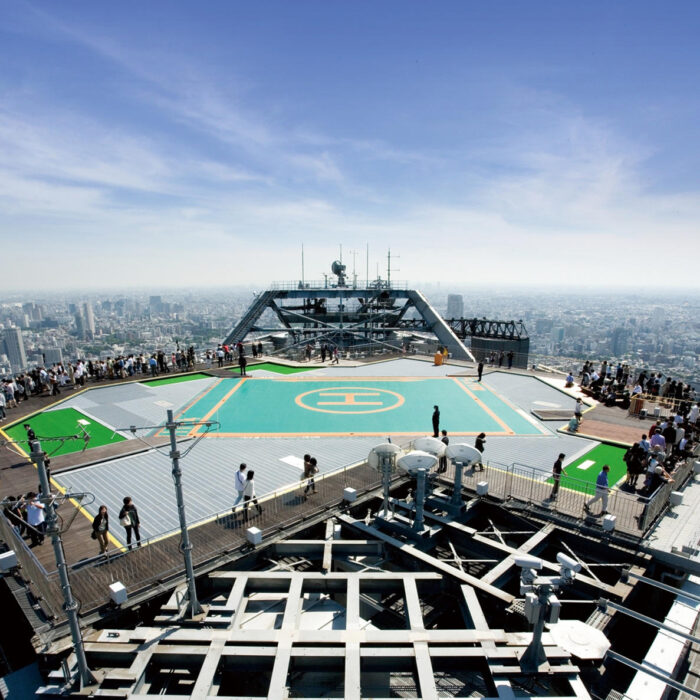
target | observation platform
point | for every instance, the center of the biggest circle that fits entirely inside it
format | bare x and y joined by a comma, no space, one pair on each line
269,421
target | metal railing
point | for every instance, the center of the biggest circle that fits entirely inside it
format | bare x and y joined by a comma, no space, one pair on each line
657,406
32,572
532,487
332,283
660,499
159,559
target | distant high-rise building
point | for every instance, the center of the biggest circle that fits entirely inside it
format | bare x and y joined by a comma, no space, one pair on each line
53,356
156,304
557,334
89,321
618,341
14,349
455,306
543,325
79,325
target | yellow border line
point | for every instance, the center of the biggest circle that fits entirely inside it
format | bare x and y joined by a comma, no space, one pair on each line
511,405
355,434
484,408
58,487
83,511
198,398
343,379
195,431
193,402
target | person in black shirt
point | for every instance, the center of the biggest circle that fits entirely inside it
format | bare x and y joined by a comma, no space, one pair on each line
436,421
480,444
557,470
129,520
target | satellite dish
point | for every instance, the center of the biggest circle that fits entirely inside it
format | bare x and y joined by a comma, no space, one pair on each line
339,269
413,461
461,452
386,449
431,445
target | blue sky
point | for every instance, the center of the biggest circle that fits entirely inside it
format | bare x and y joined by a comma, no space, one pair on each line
203,143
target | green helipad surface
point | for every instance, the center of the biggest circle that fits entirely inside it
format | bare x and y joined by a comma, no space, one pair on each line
176,379
368,406
60,423
582,473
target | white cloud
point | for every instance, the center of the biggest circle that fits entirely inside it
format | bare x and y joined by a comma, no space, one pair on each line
554,197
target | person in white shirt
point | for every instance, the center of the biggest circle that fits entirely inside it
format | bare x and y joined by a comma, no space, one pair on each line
35,518
693,414
239,483
250,495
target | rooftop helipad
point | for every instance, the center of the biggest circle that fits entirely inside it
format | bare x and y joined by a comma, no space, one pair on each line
347,406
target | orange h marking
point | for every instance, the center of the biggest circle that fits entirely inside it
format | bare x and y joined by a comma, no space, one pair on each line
349,398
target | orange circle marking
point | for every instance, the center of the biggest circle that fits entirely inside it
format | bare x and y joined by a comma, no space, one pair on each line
350,396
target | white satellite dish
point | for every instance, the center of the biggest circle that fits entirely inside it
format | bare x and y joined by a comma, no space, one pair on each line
386,449
413,461
461,452
431,445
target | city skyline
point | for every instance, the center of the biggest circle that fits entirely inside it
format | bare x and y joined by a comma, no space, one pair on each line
645,330
544,144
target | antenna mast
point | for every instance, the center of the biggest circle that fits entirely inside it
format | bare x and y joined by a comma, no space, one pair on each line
388,268
367,267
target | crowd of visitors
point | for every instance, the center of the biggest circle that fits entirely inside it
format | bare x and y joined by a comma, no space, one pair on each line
617,385
655,458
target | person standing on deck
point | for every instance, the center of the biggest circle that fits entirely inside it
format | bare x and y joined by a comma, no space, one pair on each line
249,495
100,528
442,467
35,518
480,445
480,369
436,421
239,480
310,468
557,471
129,520
602,489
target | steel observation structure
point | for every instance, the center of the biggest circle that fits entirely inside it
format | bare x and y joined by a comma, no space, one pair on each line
382,312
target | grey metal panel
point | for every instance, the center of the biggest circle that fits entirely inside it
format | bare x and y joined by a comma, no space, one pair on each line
123,405
528,392
208,473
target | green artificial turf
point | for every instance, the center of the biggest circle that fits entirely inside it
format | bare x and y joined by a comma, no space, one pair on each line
60,423
176,379
583,480
273,367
